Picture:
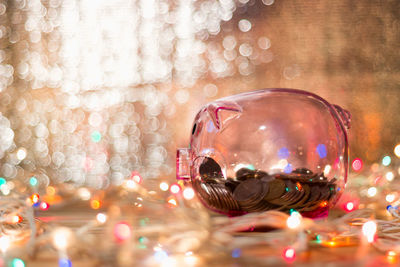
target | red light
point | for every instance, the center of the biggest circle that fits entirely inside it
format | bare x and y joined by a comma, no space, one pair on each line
349,206
122,231
289,254
357,164
44,206
136,177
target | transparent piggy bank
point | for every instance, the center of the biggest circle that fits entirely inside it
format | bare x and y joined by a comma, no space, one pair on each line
273,149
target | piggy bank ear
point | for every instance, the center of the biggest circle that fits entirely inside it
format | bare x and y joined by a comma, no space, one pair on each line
223,111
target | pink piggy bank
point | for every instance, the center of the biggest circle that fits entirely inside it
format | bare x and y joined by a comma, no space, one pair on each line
273,149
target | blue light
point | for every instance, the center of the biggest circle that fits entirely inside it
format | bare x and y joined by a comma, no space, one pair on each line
210,127
236,253
288,168
322,152
64,263
160,255
283,153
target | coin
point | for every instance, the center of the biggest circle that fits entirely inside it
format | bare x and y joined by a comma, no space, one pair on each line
244,174
209,168
302,171
276,189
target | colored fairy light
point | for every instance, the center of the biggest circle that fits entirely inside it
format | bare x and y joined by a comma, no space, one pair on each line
64,263
372,191
16,262
386,160
357,164
172,201
160,256
33,181
137,178
289,254
283,153
4,243
96,136
101,217
389,176
294,220
322,151
51,191
35,198
95,204
327,169
122,231
21,153
2,181
390,197
84,193
188,193
397,150
44,205
130,184
288,168
61,237
369,230
236,253
14,219
349,206
175,188
164,186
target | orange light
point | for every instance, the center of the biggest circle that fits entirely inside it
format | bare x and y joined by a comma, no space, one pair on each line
95,204
51,191
391,257
15,219
332,243
35,198
299,187
323,204
172,202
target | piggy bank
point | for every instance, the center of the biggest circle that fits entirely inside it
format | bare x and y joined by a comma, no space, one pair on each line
273,149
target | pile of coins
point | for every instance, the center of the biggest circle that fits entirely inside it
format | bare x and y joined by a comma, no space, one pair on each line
255,190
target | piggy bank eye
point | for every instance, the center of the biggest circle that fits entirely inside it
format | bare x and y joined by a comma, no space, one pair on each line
194,128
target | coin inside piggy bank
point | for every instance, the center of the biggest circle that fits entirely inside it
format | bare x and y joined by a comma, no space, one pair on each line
276,149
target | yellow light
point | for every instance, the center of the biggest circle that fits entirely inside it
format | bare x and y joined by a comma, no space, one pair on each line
61,238
51,191
332,243
4,243
294,220
164,186
397,150
389,176
101,217
15,219
172,201
391,253
369,229
372,191
390,198
95,204
188,193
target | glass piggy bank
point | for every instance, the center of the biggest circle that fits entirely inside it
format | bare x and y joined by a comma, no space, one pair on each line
273,149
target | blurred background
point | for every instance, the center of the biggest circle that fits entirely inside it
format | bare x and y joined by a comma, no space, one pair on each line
93,90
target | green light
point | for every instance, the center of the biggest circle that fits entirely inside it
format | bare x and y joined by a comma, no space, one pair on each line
141,239
287,189
291,211
386,161
33,181
318,238
17,263
96,136
2,181
251,167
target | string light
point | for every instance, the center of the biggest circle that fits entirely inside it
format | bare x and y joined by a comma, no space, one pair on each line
44,206
33,181
188,193
294,220
95,204
349,206
122,231
386,161
390,197
369,229
372,191
389,176
175,188
164,186
397,150
17,263
61,238
4,243
289,254
357,164
101,217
